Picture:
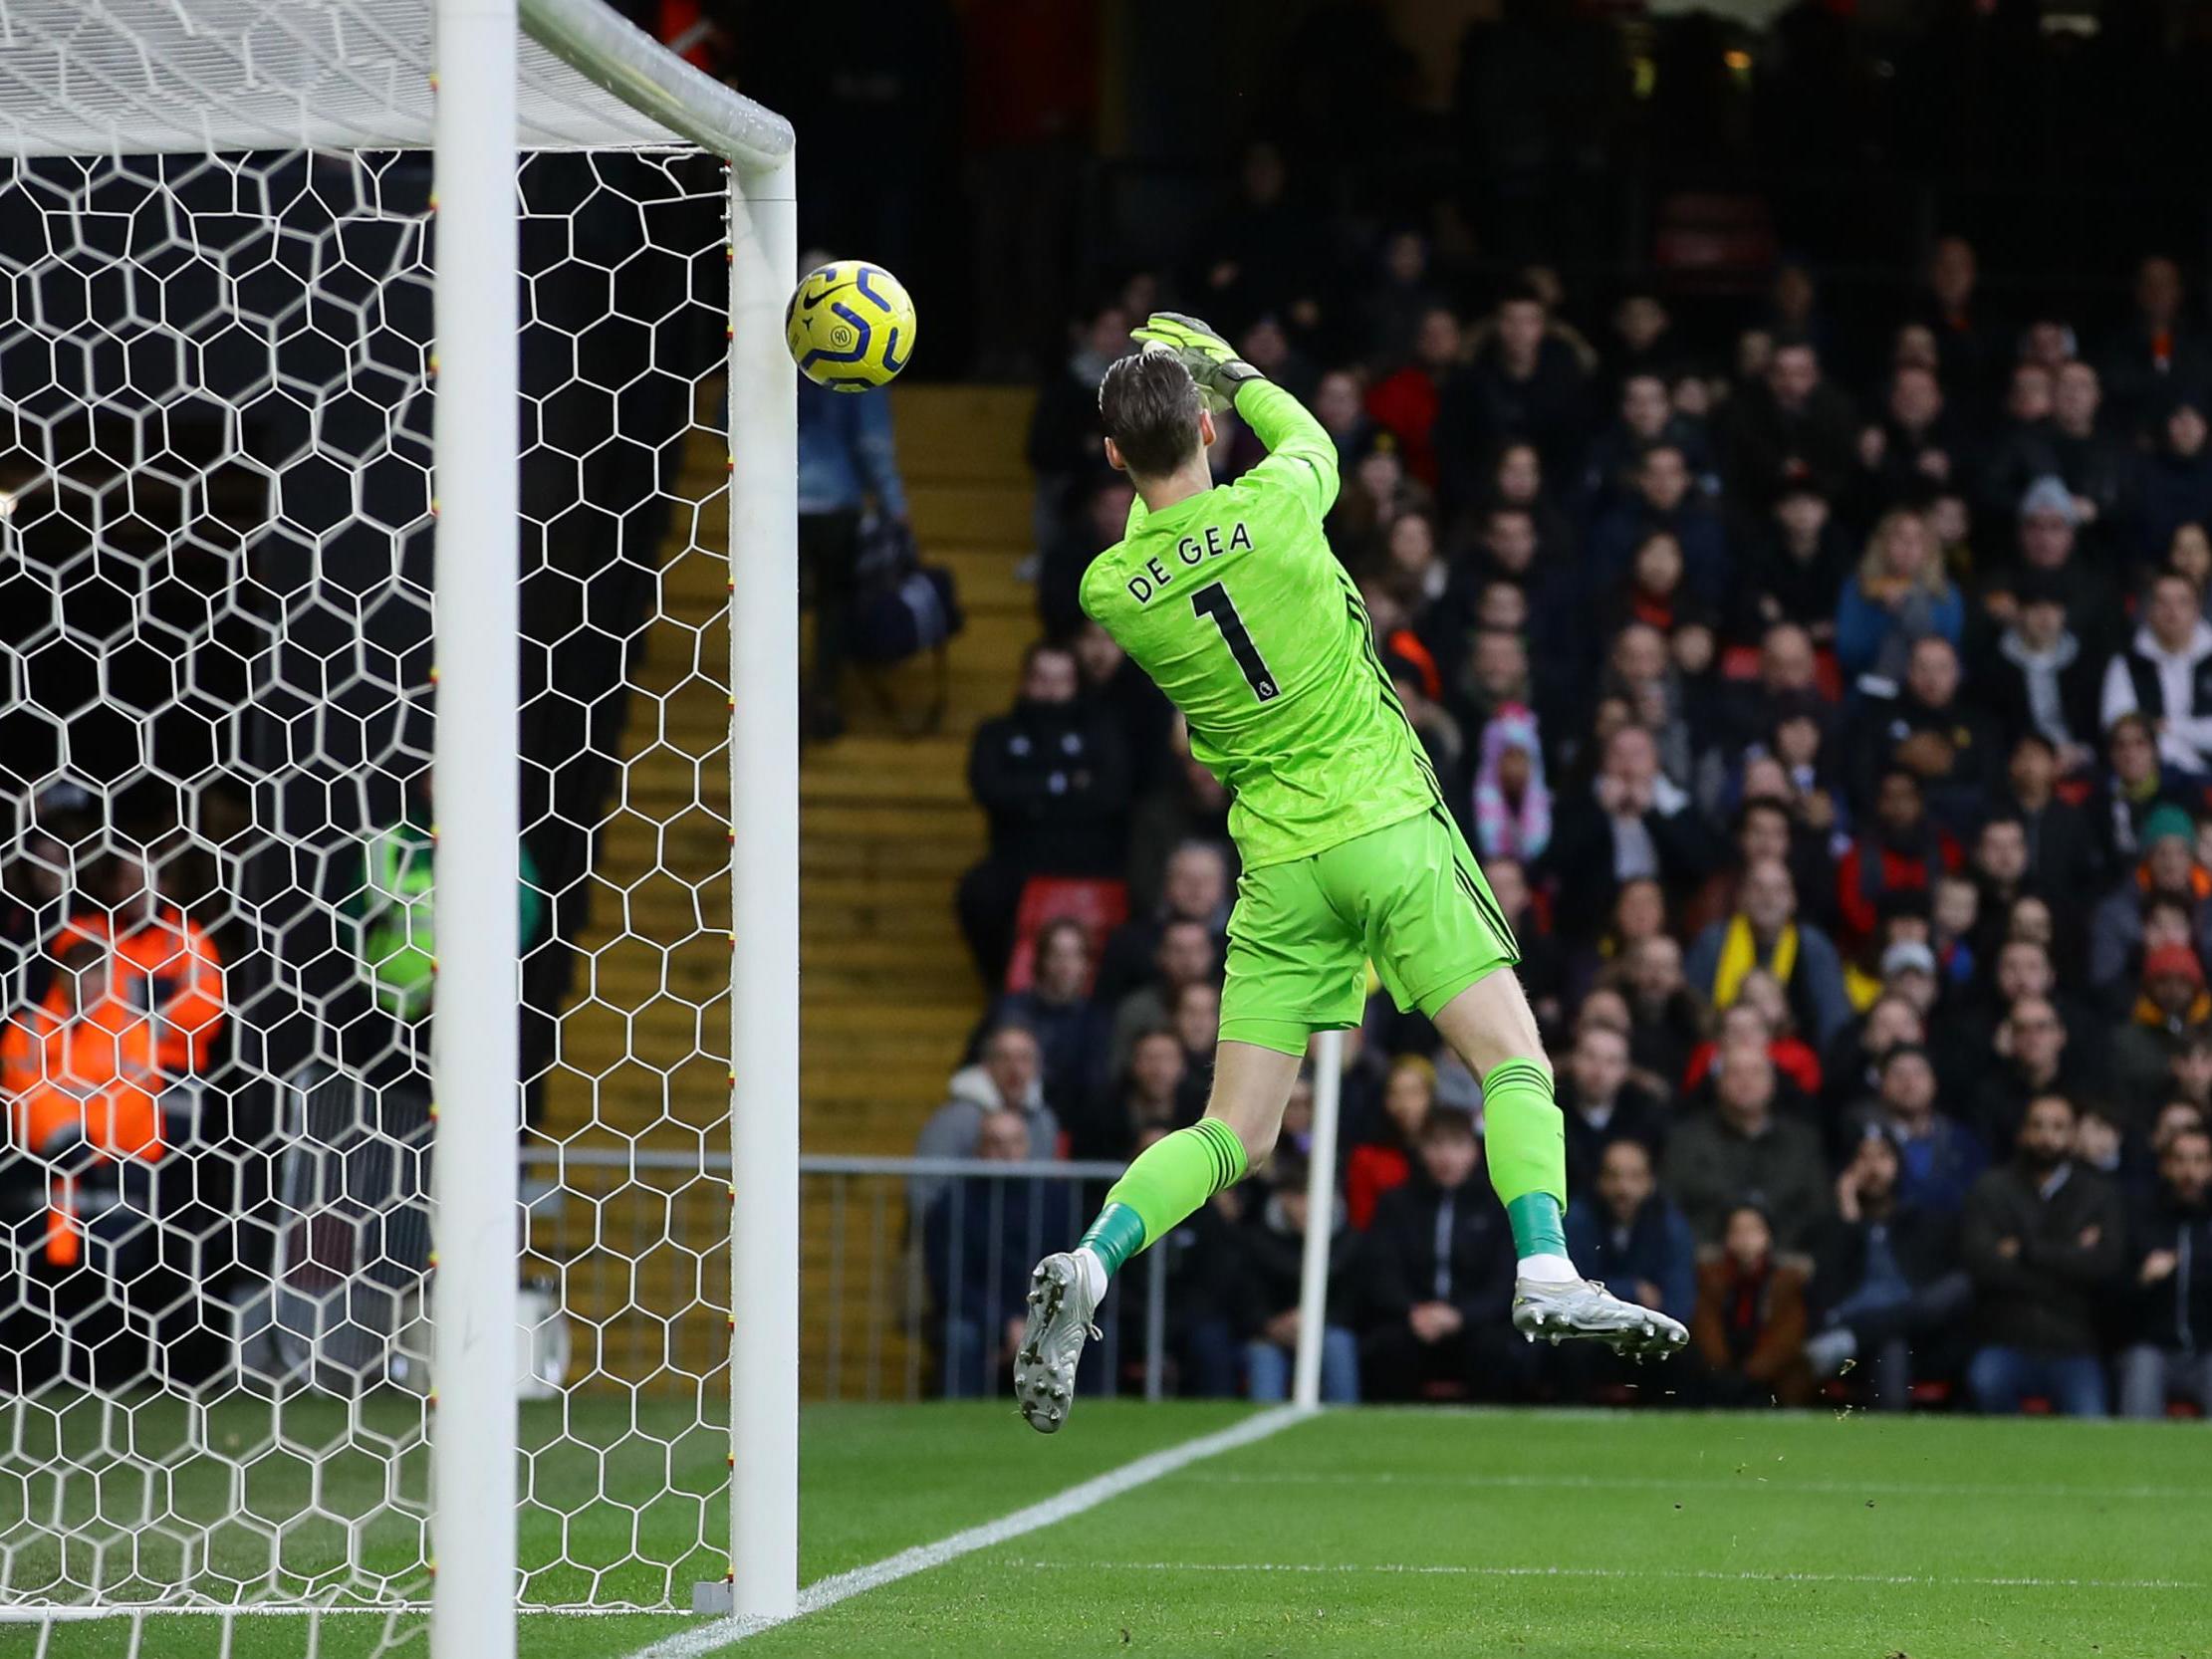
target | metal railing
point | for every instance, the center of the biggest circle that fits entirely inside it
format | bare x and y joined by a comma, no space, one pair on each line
911,1268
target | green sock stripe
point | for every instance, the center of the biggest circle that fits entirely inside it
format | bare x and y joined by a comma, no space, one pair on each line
1227,1151
1115,1236
1508,1074
1538,1226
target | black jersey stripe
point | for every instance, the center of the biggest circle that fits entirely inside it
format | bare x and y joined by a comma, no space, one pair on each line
1366,629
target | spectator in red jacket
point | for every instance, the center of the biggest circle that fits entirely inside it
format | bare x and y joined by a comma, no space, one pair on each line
1405,404
1901,851
1383,1160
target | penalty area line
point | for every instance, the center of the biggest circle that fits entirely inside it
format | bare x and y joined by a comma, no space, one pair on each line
1089,1495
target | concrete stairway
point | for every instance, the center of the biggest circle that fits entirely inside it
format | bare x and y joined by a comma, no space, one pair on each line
888,995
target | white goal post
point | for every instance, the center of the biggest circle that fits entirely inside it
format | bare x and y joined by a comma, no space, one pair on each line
198,127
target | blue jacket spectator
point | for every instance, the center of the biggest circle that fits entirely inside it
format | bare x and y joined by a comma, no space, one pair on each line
844,459
1898,594
845,452
1632,1238
1939,1158
1762,933
1073,1031
981,1235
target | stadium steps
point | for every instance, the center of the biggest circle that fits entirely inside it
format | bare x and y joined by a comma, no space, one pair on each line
887,995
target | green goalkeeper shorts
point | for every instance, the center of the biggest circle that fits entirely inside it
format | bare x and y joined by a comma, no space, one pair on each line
1407,897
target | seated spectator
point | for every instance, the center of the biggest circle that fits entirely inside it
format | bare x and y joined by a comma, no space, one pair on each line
1399,295
2133,788
1512,805
2031,1042
1743,1152
1666,501
2017,451
1382,1160
1009,1078
1898,594
1786,427
1603,1105
1189,804
2165,674
2167,869
1630,823
1124,692
1096,517
2097,466
1913,445
1666,1016
1071,1029
1524,382
1887,1278
2173,485
2172,1009
1760,1020
1053,780
1404,403
2158,348
1762,933
2043,678
1797,569
1748,1330
1185,952
1852,1068
1938,1157
1643,418
1901,853
2042,1242
1195,887
1633,1238
1269,1264
2169,1354
1929,730
1436,1280
2050,557
1196,1022
1154,1091
980,1237
2065,855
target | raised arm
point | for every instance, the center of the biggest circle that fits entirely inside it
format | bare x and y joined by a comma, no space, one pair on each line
1302,457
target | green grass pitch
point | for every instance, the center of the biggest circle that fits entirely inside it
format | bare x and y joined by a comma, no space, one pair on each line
1393,1533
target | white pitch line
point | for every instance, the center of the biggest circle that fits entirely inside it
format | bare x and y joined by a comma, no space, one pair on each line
827,1593
1463,1570
1747,1483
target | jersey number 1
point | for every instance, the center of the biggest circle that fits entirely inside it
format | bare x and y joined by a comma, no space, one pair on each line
1213,601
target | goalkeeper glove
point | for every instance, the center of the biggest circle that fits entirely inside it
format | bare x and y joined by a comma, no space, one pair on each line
1213,360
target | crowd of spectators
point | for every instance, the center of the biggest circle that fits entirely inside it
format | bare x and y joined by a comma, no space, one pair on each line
1836,731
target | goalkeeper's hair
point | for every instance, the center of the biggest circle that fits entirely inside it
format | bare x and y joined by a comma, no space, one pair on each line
1148,405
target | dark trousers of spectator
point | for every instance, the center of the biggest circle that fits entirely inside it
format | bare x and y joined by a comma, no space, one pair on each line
1890,1333
2151,1376
79,1319
970,1364
2000,1378
988,898
1205,1358
829,551
1486,1362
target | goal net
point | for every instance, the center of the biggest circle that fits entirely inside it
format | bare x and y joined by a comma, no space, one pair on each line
229,636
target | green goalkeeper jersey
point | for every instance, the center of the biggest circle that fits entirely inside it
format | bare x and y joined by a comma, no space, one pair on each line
1233,602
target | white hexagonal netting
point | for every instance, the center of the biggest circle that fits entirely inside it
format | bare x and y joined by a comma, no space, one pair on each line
215,627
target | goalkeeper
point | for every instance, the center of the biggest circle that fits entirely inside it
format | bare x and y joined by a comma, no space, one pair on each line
1231,599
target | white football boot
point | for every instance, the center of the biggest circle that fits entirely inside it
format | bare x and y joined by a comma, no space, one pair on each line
1582,1308
1060,1311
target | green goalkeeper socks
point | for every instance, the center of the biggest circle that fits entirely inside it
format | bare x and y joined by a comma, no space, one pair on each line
1525,1140
1169,1179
